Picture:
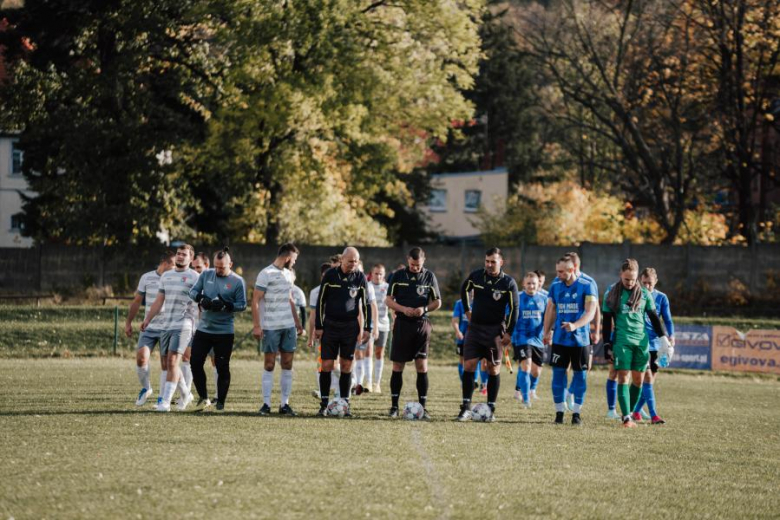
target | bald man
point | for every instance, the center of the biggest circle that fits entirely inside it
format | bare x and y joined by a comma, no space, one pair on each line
342,311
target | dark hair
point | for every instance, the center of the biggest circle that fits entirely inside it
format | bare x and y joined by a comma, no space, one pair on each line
649,272
565,259
287,249
629,264
378,266
324,267
575,258
335,259
186,247
635,295
494,251
539,273
531,274
219,255
167,256
204,257
416,253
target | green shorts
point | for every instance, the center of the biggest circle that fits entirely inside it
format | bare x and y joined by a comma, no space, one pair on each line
631,357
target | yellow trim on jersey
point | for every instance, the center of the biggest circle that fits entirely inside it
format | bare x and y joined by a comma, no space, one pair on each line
591,298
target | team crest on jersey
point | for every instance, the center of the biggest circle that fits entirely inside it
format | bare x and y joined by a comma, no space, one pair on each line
421,290
227,286
496,295
353,292
184,279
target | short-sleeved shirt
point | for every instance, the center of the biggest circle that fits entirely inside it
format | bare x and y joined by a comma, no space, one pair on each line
630,325
147,287
230,288
180,310
463,321
530,322
414,289
298,297
275,306
569,302
543,292
314,295
492,296
383,318
664,312
342,297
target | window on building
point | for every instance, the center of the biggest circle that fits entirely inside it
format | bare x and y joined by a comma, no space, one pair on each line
438,200
473,198
17,157
16,222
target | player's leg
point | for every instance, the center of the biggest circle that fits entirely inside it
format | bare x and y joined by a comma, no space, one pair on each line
483,377
142,354
173,376
537,362
493,362
201,344
559,360
349,338
612,394
271,341
164,342
623,356
357,374
287,348
186,367
472,354
580,362
182,346
379,360
329,352
223,350
399,356
215,373
367,365
421,343
640,358
523,380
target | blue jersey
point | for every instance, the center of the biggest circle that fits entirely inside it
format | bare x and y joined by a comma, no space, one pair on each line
569,304
543,292
530,323
463,322
662,308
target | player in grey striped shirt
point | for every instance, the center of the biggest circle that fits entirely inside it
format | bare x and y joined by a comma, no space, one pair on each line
179,317
276,324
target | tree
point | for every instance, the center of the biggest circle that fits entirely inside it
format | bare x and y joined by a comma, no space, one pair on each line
102,89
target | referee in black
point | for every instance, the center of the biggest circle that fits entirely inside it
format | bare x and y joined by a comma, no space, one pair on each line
489,332
413,293
343,298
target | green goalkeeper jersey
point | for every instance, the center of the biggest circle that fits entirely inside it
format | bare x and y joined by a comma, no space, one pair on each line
630,326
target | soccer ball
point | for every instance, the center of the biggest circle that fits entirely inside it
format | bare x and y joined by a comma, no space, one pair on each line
337,408
413,411
481,412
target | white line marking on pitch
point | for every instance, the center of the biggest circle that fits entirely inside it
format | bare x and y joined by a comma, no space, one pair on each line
439,500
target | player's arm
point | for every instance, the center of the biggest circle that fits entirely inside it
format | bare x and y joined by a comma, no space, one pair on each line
666,315
655,321
514,307
464,296
132,312
257,296
550,315
365,308
395,306
296,318
239,297
375,318
590,312
310,329
434,296
155,309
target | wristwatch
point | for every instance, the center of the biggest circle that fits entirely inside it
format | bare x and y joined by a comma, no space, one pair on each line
425,309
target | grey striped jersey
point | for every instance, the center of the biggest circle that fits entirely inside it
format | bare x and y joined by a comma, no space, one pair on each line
275,306
180,310
381,293
147,287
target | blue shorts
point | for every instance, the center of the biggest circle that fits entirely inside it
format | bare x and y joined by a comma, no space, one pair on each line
280,339
175,341
148,339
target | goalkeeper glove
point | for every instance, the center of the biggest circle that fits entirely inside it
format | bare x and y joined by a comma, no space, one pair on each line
223,305
608,352
665,348
207,304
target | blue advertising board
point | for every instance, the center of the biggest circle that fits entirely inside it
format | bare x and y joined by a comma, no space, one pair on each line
693,347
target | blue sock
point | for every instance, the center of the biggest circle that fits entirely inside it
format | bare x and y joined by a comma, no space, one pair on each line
534,382
460,371
611,394
483,375
524,383
476,375
641,401
648,393
558,384
579,385
518,383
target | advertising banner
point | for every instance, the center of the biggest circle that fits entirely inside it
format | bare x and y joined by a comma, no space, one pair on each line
692,347
754,351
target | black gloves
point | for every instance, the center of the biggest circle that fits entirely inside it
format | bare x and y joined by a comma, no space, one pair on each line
608,355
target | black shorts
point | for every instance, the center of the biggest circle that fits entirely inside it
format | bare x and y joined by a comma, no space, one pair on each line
339,339
483,341
653,361
411,339
578,357
459,349
523,352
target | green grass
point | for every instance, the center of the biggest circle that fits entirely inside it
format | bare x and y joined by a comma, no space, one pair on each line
73,445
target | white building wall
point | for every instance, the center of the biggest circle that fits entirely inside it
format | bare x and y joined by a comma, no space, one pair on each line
10,202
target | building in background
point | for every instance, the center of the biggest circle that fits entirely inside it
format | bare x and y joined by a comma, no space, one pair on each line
456,198
12,184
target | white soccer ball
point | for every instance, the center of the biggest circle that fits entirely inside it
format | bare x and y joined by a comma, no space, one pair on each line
413,411
337,408
481,412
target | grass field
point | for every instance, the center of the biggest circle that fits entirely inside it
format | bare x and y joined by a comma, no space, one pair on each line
73,445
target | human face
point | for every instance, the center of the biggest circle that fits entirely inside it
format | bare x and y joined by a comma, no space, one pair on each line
648,282
291,259
629,278
198,264
183,258
415,266
223,265
531,285
378,275
541,281
349,262
565,271
165,266
493,264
